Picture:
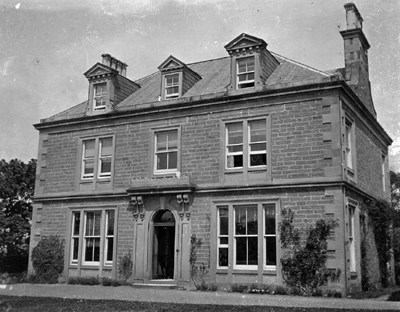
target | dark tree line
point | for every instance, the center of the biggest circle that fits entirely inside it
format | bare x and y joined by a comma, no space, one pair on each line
17,182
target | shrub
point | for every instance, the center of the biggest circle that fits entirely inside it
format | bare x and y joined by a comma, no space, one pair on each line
48,259
204,286
395,296
239,288
89,280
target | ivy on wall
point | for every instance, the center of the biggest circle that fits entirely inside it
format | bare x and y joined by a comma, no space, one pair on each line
379,215
304,259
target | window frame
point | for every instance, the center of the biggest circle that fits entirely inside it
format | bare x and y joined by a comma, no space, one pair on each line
249,83
81,238
103,96
153,152
261,229
246,142
222,236
351,211
97,175
87,237
349,147
176,85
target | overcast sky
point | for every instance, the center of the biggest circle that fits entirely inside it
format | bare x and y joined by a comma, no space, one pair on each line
47,45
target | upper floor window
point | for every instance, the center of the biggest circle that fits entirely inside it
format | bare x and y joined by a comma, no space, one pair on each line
166,151
99,96
97,156
245,72
348,142
383,173
171,86
246,144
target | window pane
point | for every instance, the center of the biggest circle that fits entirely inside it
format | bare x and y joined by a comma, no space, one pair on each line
89,249
258,160
77,221
162,141
75,248
234,161
235,133
110,245
270,250
252,251
223,240
258,147
172,160
252,220
97,217
88,148
89,167
223,257
100,89
240,220
172,139
93,223
235,148
162,161
105,166
223,221
270,219
110,222
106,147
241,250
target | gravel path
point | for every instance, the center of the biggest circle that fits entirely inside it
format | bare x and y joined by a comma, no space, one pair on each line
187,296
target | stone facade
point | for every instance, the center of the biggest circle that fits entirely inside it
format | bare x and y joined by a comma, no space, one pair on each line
146,177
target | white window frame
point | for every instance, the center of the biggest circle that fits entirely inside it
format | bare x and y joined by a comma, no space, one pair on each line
352,238
87,237
86,158
236,236
249,83
75,237
102,96
167,151
246,144
106,174
269,266
82,238
173,85
250,143
109,237
222,236
233,154
348,144
97,158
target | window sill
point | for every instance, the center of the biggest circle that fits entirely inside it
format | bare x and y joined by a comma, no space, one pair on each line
353,275
264,168
242,271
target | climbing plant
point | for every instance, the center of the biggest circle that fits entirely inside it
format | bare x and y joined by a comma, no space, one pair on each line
304,259
380,215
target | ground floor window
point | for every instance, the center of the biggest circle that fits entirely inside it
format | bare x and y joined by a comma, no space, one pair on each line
92,237
351,235
246,235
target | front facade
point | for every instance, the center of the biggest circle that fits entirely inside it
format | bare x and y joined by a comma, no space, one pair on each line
214,149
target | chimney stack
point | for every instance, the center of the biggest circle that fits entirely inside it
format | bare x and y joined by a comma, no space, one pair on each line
356,56
112,62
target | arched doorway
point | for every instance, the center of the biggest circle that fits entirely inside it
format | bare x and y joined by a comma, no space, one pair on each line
163,245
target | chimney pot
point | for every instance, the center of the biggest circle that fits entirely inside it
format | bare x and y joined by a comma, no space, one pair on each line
353,17
114,63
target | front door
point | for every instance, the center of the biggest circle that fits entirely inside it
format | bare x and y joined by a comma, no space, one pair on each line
163,245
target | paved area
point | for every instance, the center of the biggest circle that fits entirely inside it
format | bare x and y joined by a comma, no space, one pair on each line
187,296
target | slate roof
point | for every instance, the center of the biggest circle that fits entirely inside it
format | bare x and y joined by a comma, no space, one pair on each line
215,75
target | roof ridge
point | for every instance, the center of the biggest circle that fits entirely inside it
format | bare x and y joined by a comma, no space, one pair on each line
209,60
301,64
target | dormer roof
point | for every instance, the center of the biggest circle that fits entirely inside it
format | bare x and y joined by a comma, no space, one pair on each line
99,69
171,63
245,41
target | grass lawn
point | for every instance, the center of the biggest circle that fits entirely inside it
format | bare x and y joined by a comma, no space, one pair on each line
44,304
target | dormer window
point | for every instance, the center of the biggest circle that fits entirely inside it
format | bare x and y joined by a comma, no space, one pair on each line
245,72
171,86
100,96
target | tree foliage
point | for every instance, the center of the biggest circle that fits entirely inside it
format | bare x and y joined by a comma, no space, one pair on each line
303,263
17,181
